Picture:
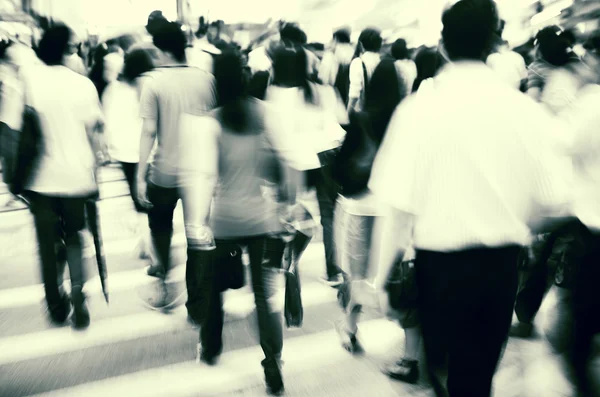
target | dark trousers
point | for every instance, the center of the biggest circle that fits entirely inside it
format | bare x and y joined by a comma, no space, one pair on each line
265,262
327,191
58,218
536,279
465,306
160,218
130,171
584,311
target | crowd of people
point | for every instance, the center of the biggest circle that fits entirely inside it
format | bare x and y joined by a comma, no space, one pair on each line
472,170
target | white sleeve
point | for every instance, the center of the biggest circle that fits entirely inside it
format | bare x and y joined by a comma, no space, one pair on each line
356,78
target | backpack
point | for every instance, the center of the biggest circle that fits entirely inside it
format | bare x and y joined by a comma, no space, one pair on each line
342,82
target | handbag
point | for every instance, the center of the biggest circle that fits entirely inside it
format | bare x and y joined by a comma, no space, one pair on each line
293,309
22,150
402,285
231,273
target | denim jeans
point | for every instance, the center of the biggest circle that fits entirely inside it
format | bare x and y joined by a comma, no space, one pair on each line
160,218
265,263
58,218
327,190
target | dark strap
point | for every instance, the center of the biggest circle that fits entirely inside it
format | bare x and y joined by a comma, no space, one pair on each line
365,74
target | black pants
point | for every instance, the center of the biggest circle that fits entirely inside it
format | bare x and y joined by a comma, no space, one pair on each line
160,217
58,218
536,279
465,306
265,261
327,191
584,311
130,171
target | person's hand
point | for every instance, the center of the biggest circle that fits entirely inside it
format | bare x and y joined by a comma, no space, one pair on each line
142,193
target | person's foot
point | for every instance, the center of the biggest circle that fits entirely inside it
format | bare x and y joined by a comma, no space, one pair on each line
273,378
404,371
162,296
349,341
155,271
59,313
334,281
81,315
521,330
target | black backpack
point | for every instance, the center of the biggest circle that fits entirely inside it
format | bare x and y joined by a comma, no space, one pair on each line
342,82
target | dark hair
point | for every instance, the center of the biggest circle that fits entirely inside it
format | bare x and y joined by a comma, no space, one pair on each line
156,19
342,36
97,71
592,43
137,62
232,89
290,69
371,40
170,38
292,33
428,61
399,49
554,45
54,44
202,27
384,92
470,29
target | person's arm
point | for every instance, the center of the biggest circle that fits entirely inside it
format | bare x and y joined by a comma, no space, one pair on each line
149,113
356,83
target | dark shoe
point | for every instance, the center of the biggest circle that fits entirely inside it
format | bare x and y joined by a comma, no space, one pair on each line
334,281
349,341
81,315
521,330
59,313
273,377
404,370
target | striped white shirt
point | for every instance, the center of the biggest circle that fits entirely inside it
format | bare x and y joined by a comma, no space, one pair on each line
473,160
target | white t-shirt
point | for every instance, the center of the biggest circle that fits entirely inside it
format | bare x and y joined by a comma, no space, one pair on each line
66,102
475,161
510,66
123,124
301,131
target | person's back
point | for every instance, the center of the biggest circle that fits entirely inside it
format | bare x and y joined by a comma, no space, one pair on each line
169,92
247,164
65,102
482,142
121,106
510,66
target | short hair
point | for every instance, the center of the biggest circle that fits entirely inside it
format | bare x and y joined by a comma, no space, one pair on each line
470,29
137,62
371,40
292,33
399,49
554,45
54,44
342,36
170,38
155,20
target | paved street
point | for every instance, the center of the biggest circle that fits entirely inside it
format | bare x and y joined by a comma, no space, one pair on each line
130,351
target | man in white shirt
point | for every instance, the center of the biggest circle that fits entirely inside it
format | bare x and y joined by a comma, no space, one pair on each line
64,176
407,69
468,169
334,69
362,67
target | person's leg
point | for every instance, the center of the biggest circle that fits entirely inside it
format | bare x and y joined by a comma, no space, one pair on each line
585,326
326,196
265,263
407,368
160,217
534,286
482,319
47,227
72,211
211,316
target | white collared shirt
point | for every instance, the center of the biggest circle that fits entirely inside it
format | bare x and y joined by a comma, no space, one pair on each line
474,160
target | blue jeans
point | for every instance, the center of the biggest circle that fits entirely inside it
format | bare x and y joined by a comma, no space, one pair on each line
265,263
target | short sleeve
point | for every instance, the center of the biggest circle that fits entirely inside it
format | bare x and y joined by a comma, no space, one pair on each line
149,100
394,173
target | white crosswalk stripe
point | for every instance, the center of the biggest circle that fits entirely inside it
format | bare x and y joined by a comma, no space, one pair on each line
239,368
